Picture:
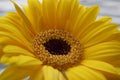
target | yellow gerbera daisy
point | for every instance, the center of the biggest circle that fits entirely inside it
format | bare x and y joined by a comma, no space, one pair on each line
58,40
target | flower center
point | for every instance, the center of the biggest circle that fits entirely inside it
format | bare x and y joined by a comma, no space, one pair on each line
58,49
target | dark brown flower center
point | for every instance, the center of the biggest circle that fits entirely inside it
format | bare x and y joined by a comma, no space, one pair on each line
57,47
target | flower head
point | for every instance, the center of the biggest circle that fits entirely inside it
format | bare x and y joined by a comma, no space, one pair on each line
58,40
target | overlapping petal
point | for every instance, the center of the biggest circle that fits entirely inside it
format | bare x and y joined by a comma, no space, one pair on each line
84,73
25,19
85,19
96,35
99,65
11,50
34,14
10,73
106,51
20,60
52,74
63,12
49,9
14,20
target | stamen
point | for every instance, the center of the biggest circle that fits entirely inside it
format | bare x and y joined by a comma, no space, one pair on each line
58,49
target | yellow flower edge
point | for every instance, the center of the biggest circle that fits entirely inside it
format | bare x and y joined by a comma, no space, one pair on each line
100,40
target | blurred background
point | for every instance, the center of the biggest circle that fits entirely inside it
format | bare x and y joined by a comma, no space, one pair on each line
108,8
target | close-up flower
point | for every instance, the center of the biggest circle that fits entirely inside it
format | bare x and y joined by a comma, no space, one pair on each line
58,40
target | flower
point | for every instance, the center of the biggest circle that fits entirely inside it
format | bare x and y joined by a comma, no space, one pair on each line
58,40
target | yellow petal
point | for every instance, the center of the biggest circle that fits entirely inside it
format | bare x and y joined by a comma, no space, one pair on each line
99,34
107,51
13,37
15,21
25,19
13,30
12,49
83,73
37,75
9,35
52,74
74,75
75,16
63,12
115,36
1,53
14,73
4,40
21,60
88,17
118,69
33,12
99,65
49,8
101,22
113,76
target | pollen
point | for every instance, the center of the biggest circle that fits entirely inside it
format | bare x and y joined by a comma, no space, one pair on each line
58,49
